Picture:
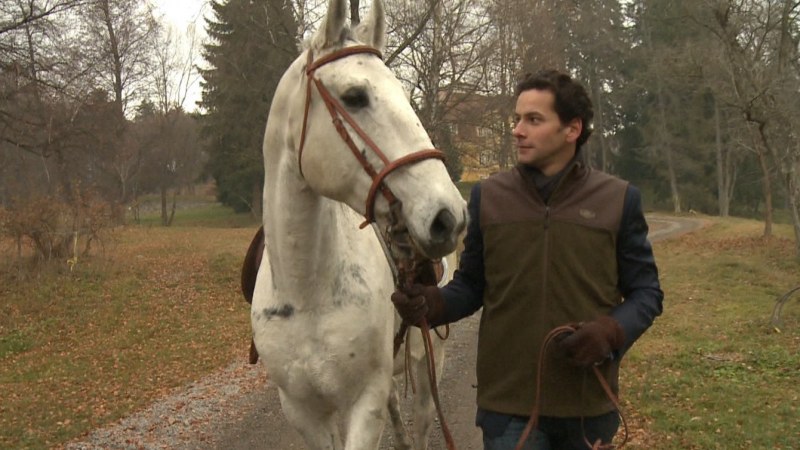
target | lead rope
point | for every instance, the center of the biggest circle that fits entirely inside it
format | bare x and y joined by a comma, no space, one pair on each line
407,277
534,419
426,336
402,333
404,274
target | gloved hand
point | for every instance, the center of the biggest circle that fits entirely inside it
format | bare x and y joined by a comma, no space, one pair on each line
593,341
418,302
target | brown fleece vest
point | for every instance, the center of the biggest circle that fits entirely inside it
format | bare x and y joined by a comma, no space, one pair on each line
545,266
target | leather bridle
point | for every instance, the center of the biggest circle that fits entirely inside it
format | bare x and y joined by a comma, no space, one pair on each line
338,112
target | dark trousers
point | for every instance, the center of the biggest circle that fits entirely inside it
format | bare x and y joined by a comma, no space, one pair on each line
553,433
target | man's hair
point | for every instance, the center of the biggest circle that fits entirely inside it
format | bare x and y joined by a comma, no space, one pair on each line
571,99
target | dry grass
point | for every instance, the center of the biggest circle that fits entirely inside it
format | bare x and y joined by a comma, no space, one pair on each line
83,348
712,373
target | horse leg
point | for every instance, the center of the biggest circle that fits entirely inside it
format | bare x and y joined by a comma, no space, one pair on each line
317,426
368,414
401,439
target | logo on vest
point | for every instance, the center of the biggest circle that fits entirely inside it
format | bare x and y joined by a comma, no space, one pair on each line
587,214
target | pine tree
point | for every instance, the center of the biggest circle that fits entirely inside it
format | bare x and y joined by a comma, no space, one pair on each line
252,44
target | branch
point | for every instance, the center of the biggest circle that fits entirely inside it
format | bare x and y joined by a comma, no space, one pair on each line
31,17
413,36
28,148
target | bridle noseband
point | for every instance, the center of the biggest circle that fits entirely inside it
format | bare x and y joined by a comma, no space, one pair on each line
338,112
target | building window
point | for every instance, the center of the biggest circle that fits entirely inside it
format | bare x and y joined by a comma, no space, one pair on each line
486,158
453,127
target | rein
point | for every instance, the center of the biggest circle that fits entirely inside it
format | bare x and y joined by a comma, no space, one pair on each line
407,277
338,112
534,418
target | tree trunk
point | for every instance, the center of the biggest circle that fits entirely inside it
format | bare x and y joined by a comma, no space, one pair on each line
164,218
434,75
762,162
354,17
116,57
793,192
722,168
504,153
667,148
599,121
663,134
174,207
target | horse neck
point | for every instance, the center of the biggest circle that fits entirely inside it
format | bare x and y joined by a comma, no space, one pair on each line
305,232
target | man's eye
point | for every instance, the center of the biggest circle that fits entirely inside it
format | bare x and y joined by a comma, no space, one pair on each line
355,97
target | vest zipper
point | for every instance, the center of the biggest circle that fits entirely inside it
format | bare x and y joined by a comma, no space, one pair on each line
546,256
547,217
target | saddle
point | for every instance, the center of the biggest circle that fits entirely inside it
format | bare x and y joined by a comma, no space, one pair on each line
252,261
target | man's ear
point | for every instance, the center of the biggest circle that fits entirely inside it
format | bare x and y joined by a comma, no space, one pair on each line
574,129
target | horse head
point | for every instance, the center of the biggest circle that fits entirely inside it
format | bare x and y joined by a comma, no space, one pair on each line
358,141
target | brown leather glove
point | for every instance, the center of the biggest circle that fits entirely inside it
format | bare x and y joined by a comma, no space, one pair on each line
418,302
593,341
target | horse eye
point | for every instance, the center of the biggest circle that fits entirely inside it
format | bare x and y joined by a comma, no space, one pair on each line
356,97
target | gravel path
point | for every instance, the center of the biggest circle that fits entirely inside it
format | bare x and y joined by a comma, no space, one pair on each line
237,408
190,418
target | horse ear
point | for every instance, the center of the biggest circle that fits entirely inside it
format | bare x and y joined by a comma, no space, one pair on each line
330,32
373,31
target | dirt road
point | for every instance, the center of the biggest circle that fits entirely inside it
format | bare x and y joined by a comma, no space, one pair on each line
238,408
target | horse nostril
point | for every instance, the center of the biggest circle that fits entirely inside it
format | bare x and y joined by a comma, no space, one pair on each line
442,226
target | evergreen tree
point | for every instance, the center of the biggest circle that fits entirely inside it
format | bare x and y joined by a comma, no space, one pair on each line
665,100
252,44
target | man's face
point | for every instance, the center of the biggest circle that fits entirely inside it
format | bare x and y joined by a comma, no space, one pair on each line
542,141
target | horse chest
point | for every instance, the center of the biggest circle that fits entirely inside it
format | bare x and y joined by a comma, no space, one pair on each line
328,322
323,354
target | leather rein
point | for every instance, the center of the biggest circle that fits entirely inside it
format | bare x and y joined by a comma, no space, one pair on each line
533,421
402,268
338,112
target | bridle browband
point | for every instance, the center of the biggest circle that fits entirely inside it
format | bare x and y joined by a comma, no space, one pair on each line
338,112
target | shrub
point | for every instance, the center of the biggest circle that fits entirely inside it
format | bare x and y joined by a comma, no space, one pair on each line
54,227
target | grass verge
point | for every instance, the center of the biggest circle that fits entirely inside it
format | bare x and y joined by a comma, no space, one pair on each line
712,373
81,349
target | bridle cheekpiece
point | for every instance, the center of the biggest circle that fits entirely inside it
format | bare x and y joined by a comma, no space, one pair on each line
338,112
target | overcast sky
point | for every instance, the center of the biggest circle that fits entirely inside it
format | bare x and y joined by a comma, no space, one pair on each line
180,14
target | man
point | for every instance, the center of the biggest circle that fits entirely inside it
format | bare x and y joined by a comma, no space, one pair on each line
550,242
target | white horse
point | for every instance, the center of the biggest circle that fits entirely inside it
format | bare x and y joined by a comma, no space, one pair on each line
321,315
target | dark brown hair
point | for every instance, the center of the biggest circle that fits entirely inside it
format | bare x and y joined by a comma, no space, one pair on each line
571,99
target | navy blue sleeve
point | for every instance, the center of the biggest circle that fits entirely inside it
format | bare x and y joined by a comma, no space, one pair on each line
638,274
464,294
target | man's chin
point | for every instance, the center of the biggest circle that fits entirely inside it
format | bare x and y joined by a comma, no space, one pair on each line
525,159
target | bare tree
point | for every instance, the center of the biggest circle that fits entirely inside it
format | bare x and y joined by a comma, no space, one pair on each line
120,33
760,45
167,137
438,47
